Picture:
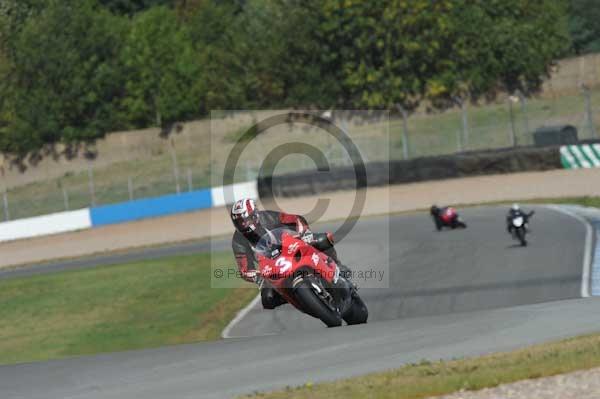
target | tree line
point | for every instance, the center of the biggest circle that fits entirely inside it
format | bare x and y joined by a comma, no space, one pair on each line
72,70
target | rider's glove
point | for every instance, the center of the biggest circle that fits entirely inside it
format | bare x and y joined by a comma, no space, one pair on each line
253,276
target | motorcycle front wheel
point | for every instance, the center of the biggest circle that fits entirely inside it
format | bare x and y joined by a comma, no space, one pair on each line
314,304
521,237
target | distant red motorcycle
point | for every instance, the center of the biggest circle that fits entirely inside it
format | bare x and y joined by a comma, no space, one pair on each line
446,217
308,279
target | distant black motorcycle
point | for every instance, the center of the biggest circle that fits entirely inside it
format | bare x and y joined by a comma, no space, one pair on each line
446,217
518,226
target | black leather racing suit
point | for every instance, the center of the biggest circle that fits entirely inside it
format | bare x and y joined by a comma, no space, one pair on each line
242,245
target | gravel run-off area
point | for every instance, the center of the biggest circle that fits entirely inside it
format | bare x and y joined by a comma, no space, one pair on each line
577,385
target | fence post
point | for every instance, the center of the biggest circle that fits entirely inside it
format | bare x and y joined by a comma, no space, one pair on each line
2,171
5,201
91,184
405,145
513,133
189,179
344,127
588,111
459,141
464,141
175,166
130,187
65,198
523,101
465,123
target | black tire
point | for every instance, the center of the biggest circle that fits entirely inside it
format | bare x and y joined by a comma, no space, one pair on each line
358,313
461,225
314,306
521,237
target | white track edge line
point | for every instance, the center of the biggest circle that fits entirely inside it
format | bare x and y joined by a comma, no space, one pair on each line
587,256
239,316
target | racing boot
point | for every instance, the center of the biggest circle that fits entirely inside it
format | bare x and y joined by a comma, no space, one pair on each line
270,298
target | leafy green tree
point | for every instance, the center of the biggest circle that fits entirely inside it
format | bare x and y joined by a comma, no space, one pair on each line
285,62
130,7
401,51
71,70
221,48
13,14
498,45
65,77
584,25
162,70
382,53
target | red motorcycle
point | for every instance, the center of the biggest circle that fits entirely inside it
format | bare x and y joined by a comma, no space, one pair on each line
308,279
446,217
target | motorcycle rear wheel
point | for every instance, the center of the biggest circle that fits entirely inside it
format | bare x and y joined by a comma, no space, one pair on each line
314,305
358,313
521,237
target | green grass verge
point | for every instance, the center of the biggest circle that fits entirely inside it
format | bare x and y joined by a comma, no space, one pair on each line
438,378
593,202
114,308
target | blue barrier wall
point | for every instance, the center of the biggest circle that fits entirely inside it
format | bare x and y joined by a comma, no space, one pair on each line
150,207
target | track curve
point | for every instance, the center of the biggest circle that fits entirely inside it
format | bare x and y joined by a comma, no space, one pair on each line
451,294
451,271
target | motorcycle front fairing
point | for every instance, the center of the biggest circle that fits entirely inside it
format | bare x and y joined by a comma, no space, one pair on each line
518,221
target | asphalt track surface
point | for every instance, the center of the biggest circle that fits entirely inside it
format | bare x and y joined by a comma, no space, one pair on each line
452,271
451,294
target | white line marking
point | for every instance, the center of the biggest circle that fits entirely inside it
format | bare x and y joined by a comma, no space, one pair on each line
239,316
587,256
596,268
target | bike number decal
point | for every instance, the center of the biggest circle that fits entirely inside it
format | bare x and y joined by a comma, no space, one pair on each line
283,264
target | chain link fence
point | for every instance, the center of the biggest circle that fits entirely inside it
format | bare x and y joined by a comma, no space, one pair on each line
133,165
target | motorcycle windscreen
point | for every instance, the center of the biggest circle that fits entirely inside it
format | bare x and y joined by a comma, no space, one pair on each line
270,243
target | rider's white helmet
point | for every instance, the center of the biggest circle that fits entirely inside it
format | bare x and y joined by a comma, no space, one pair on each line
515,207
244,215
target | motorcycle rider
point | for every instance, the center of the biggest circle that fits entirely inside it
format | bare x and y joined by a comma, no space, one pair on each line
251,224
514,212
446,216
437,212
